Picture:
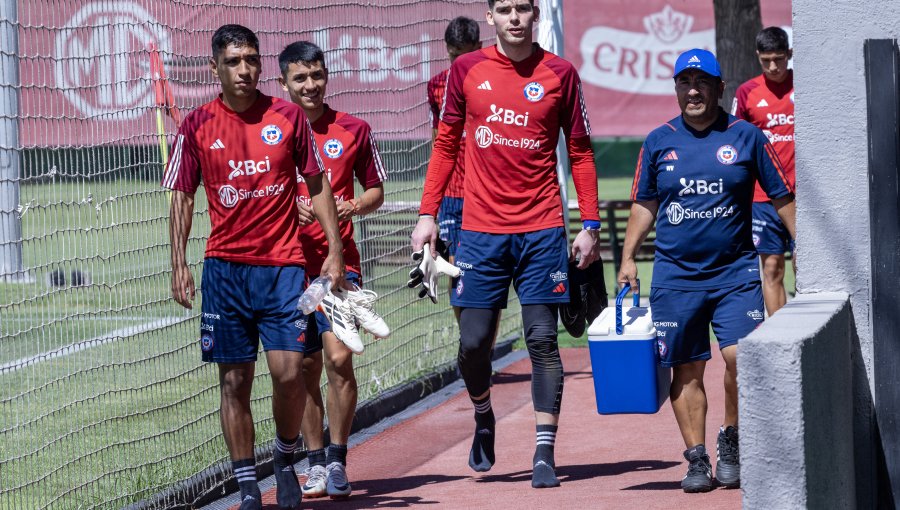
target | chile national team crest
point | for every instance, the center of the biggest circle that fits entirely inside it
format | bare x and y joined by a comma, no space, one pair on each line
271,134
726,154
206,343
333,148
534,92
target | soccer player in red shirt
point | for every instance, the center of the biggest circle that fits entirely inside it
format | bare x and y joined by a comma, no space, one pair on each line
767,102
461,36
512,99
247,148
348,149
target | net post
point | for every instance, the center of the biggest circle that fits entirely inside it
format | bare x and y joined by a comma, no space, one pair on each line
10,222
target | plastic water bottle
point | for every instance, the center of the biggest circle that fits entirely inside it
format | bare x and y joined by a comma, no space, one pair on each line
314,294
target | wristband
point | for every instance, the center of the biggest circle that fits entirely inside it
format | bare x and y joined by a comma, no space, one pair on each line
590,225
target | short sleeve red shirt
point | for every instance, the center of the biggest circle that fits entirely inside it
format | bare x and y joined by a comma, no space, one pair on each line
248,163
437,87
348,150
513,113
770,107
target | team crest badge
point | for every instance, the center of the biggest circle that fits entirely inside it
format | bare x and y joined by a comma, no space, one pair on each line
662,347
726,154
271,134
333,148
459,287
206,343
534,92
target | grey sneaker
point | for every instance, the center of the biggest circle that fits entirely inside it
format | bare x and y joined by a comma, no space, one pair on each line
337,484
315,483
699,474
728,460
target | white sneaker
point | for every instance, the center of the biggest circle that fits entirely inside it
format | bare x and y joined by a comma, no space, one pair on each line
337,485
362,303
338,312
315,482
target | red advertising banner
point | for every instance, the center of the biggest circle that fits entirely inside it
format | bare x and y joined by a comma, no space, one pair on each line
88,69
625,52
87,77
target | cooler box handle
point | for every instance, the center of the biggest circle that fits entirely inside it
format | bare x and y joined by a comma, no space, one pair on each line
621,297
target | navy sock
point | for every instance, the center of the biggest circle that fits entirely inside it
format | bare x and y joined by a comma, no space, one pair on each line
287,492
284,451
245,473
316,457
481,456
544,474
337,453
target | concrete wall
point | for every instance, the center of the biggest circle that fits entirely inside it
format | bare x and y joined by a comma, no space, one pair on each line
832,165
807,375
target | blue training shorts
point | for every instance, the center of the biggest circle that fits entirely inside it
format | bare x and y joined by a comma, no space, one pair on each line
450,221
537,263
243,304
770,236
682,319
320,322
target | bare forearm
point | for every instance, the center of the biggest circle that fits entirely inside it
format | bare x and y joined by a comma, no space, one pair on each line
181,212
325,210
640,222
787,211
370,200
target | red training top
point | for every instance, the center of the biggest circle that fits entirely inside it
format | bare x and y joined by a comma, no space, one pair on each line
437,87
348,149
513,112
249,163
770,107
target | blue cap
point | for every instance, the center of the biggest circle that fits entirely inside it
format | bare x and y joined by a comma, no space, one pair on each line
698,59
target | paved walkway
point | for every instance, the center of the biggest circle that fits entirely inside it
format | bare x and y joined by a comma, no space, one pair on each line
625,461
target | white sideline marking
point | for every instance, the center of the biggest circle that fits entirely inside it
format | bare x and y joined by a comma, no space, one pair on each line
12,366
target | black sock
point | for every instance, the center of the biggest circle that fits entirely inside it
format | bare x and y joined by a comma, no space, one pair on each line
287,487
316,457
545,443
481,456
544,474
337,453
245,473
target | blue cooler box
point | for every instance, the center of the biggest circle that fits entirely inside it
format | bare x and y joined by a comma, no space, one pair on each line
627,375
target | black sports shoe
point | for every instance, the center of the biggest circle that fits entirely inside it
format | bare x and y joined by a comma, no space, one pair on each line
728,460
571,314
593,291
699,474
587,298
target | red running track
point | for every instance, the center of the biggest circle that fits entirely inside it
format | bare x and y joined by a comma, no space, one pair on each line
624,461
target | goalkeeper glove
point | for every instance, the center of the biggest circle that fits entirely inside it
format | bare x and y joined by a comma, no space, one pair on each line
427,270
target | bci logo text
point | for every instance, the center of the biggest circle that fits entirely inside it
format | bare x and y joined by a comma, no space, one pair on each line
374,59
507,116
778,119
700,187
247,167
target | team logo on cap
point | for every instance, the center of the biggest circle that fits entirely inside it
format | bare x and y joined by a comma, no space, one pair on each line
333,148
271,134
726,154
206,343
534,92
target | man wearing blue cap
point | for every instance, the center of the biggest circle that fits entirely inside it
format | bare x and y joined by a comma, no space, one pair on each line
700,168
